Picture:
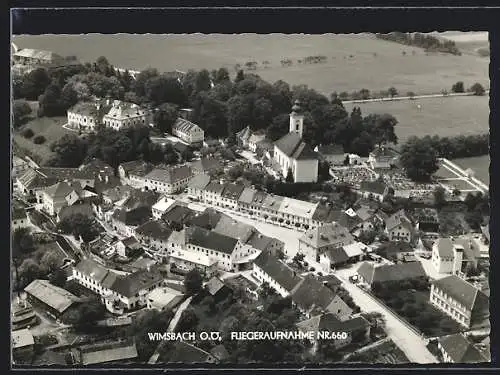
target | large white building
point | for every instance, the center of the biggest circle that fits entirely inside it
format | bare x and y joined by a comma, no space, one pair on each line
292,153
123,115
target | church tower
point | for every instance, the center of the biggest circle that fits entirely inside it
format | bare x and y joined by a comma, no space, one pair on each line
297,119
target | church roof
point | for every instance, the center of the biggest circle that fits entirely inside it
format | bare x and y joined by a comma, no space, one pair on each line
293,146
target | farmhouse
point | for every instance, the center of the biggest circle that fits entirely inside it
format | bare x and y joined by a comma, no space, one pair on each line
461,301
127,246
337,256
56,301
399,228
321,239
373,190
270,269
369,274
457,348
292,153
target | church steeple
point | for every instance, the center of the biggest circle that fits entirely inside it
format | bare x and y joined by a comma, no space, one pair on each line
297,119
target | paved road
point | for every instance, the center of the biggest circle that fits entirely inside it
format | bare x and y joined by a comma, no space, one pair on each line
407,340
396,98
171,327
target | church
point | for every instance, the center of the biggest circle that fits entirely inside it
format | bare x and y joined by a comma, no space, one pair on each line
291,151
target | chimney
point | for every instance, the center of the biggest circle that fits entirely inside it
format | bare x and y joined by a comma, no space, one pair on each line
457,259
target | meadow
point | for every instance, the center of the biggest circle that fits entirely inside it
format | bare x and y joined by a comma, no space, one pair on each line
479,164
446,116
354,61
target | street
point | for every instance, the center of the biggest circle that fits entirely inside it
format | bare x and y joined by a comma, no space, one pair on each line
411,343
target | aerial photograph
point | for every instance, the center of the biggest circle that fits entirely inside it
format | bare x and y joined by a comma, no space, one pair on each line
237,199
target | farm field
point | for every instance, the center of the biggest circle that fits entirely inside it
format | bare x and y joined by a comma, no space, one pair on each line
354,61
447,116
479,164
50,128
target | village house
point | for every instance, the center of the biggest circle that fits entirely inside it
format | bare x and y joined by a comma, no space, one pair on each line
451,255
312,297
19,219
216,289
39,58
457,348
132,173
206,165
368,220
268,268
230,195
189,132
207,219
461,301
124,115
376,190
197,185
62,194
321,239
185,261
56,301
339,256
164,299
369,273
162,206
154,234
254,140
127,246
178,216
106,353
291,152
213,193
23,346
19,166
32,181
243,136
426,220
226,250
399,228
357,329
119,293
168,180
333,154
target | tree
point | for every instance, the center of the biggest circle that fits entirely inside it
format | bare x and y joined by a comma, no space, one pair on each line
20,110
165,117
289,176
50,262
70,151
458,87
86,315
419,159
410,94
139,85
240,76
392,92
477,89
278,128
70,96
381,128
439,196
28,271
79,225
50,102
35,83
163,89
193,281
188,321
58,278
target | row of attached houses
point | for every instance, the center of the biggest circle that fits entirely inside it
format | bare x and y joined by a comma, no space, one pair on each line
119,293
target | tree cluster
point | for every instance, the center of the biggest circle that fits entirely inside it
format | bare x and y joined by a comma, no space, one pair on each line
425,41
81,226
20,110
111,146
86,315
478,210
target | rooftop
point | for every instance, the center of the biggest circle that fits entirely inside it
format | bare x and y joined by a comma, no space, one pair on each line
330,234
461,350
133,283
169,175
297,207
277,270
22,338
107,352
185,126
293,146
154,229
230,227
463,292
391,272
210,240
194,258
199,181
57,298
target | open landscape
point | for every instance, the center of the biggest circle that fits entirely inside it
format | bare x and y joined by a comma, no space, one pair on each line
354,61
420,117
479,164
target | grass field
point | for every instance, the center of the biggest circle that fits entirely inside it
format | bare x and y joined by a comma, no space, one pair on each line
354,61
448,116
50,128
479,164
